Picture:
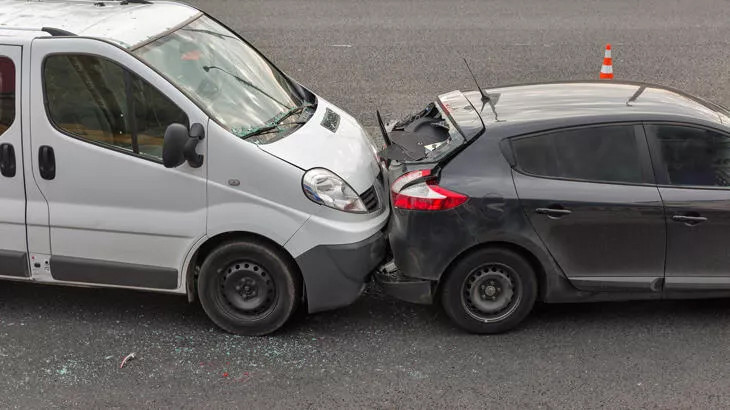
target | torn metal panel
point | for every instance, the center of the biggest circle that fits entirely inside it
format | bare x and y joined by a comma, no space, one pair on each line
433,132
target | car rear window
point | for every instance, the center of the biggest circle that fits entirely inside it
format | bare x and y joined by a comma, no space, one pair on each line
603,154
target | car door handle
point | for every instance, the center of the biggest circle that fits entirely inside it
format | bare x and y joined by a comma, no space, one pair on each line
553,212
7,160
689,219
47,162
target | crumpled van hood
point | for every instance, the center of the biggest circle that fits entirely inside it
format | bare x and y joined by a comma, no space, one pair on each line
348,151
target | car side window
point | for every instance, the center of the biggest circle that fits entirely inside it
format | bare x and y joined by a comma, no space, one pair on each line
603,154
97,100
692,156
7,94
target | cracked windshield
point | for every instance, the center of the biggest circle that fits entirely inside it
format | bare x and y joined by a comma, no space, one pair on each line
237,87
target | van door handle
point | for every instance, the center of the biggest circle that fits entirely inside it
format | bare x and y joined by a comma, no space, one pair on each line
689,219
556,211
47,162
7,160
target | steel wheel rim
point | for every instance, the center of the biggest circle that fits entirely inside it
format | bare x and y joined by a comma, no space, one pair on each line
491,292
247,289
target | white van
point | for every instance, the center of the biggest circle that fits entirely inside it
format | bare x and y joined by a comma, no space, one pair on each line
144,145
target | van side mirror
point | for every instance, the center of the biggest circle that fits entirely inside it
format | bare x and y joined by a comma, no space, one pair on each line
179,145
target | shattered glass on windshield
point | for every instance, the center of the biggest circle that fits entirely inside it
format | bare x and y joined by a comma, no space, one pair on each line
234,84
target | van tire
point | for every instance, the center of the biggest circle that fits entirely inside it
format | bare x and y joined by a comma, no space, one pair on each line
249,288
490,290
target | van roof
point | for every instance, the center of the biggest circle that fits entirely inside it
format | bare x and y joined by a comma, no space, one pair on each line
125,22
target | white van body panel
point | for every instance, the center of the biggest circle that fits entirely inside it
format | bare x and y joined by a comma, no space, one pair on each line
110,206
39,242
126,25
12,192
350,154
262,202
318,230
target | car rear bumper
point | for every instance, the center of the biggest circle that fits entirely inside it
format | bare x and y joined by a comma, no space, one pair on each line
425,243
335,275
402,287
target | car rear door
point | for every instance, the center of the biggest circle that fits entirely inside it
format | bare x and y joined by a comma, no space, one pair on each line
13,245
590,195
692,166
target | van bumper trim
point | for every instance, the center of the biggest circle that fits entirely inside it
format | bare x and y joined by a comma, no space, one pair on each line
72,269
14,263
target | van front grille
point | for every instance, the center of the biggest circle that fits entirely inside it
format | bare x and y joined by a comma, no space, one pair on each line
370,199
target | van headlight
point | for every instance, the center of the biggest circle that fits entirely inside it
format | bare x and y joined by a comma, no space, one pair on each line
326,188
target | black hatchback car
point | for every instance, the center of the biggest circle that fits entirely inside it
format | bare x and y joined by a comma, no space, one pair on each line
558,192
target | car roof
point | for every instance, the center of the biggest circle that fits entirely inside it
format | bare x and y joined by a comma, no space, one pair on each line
609,100
126,22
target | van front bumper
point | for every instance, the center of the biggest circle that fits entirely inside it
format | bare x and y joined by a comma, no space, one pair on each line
335,275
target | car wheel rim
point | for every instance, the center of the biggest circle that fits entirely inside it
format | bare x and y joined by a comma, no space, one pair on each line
248,289
491,292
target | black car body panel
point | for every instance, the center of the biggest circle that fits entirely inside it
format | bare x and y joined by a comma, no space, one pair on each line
613,246
425,243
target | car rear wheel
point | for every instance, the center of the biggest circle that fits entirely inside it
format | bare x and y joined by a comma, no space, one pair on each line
489,291
248,288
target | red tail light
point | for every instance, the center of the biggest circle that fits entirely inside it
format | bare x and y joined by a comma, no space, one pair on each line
418,190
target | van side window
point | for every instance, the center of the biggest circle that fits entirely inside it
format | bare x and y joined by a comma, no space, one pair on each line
692,156
99,101
86,97
153,112
7,93
602,154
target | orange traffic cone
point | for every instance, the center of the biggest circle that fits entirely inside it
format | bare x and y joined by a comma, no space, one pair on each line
607,67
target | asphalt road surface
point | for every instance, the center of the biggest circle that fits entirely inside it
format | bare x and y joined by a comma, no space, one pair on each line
63,346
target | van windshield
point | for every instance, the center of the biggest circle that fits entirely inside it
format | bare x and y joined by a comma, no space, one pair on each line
233,83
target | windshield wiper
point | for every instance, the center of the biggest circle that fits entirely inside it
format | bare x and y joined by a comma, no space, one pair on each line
274,124
265,129
291,112
207,69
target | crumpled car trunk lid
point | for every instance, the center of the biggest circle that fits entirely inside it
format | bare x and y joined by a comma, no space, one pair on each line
434,132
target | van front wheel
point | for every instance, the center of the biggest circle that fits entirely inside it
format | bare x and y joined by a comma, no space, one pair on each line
248,288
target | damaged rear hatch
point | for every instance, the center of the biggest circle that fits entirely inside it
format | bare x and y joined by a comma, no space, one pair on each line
435,134
417,147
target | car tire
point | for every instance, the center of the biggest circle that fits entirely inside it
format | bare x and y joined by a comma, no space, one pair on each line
490,290
249,288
